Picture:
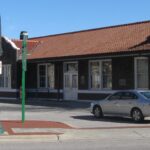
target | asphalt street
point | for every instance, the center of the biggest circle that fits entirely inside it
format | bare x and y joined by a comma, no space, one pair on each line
80,145
76,114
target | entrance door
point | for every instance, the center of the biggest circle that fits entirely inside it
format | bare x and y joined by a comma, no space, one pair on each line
71,84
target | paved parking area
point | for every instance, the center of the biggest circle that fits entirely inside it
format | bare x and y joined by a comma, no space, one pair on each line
69,122
75,114
65,120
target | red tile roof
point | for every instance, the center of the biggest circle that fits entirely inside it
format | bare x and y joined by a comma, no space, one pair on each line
30,46
114,39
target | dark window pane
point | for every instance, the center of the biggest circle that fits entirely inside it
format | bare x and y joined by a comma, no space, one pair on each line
128,96
115,96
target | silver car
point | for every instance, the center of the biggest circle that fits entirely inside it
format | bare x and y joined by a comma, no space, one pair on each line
131,103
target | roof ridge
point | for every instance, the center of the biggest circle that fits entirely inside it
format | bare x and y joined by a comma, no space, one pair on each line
88,30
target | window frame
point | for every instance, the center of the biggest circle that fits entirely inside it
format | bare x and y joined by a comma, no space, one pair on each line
135,71
46,75
101,74
4,76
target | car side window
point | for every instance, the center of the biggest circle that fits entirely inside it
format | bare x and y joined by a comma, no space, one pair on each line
128,96
115,96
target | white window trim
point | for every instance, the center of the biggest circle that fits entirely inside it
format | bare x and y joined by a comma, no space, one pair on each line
135,71
101,75
38,76
9,83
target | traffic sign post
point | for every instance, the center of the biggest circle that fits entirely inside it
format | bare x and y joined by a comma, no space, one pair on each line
24,69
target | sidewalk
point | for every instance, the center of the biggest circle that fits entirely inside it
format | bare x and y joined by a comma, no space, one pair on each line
31,130
34,130
32,127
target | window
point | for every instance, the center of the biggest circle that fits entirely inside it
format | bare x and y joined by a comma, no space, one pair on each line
74,81
51,76
123,96
115,96
67,81
128,96
42,76
141,73
106,74
146,94
5,77
95,75
71,67
46,77
101,74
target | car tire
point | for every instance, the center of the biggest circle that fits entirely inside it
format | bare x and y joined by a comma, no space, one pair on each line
137,115
97,111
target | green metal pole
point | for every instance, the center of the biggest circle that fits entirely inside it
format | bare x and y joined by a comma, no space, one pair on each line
23,96
24,44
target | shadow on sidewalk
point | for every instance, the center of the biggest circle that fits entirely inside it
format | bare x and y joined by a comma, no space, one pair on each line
46,104
110,119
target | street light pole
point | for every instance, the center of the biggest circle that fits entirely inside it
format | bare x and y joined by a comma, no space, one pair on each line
24,37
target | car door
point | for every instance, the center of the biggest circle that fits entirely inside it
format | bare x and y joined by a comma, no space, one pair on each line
127,102
110,106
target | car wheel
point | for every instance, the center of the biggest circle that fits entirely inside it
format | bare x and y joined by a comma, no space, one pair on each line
137,115
97,112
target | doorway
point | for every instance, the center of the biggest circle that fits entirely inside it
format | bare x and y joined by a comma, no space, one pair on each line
71,81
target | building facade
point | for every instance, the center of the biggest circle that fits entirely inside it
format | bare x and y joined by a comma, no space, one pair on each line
84,65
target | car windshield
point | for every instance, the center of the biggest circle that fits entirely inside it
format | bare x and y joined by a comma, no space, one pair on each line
146,94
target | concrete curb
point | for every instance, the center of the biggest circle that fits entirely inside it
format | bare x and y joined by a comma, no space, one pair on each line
27,138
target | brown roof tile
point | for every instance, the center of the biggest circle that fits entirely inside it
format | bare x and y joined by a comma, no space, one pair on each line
114,39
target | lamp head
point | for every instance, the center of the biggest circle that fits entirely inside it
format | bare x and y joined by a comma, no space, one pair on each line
23,35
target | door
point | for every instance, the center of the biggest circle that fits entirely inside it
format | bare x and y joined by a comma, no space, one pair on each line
111,105
127,102
70,86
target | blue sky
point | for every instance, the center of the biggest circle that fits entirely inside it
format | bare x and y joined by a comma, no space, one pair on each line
45,17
